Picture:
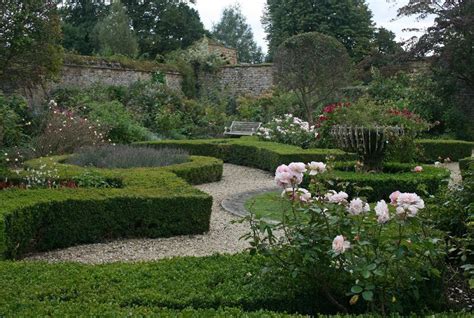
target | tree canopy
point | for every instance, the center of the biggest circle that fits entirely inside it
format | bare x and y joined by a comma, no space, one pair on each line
114,33
314,66
349,21
233,31
30,50
163,26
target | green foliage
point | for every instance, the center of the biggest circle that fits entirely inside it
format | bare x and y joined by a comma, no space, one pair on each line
438,149
114,35
152,202
249,151
395,176
79,18
234,32
314,66
465,164
30,53
163,26
388,261
352,27
121,126
13,120
263,108
123,157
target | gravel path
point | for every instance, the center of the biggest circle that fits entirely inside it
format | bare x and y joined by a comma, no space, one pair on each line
223,236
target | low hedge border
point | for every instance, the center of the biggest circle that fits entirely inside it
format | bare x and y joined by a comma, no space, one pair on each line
465,165
154,202
434,149
200,285
398,176
249,151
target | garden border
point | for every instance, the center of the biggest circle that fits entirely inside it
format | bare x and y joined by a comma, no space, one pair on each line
154,202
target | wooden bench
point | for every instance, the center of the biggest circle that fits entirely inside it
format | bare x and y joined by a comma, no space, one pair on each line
242,128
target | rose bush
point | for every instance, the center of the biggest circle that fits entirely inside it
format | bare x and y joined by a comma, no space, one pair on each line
291,130
390,258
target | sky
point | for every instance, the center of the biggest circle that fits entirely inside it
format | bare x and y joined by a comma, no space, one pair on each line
384,14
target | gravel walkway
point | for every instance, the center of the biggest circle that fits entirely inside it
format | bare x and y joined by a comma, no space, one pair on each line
222,238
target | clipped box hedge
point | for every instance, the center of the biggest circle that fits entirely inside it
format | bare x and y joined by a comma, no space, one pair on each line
396,176
466,165
434,149
152,202
249,151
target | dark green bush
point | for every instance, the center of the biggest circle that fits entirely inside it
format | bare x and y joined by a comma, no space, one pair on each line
395,176
437,149
251,152
153,202
464,165
123,156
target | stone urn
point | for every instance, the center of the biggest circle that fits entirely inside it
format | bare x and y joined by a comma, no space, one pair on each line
370,143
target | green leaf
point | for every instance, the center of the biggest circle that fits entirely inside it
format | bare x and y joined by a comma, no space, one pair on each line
368,295
366,274
371,267
356,289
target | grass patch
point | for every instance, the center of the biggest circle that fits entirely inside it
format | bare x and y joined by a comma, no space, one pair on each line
269,205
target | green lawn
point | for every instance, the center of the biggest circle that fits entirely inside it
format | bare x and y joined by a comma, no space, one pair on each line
268,205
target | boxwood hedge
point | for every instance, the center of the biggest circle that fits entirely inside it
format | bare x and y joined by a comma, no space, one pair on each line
434,149
396,176
153,202
465,165
248,151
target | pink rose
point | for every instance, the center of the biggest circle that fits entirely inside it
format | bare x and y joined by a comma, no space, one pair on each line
299,194
418,169
297,167
381,210
408,204
288,177
316,168
393,197
357,207
340,245
336,197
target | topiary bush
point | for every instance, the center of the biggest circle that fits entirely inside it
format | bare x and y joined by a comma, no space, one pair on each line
152,202
438,149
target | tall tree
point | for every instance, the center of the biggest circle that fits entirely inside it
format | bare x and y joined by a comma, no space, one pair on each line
314,66
450,44
30,50
233,31
114,33
79,18
164,25
349,21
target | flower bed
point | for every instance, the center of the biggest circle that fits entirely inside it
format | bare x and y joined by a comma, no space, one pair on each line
251,152
156,202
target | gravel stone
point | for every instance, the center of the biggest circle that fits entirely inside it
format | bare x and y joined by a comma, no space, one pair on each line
223,237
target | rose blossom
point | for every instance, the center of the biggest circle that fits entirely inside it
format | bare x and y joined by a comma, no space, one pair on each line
393,198
297,167
285,176
335,197
418,169
340,245
357,206
299,194
409,204
381,210
316,168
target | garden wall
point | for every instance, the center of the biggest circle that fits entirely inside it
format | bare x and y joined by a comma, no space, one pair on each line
243,79
87,75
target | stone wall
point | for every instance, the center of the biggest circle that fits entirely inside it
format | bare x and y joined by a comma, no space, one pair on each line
245,79
87,75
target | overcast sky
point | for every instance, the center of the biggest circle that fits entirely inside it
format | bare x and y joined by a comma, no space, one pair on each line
383,14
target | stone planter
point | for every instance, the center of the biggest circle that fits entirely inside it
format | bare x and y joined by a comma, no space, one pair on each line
369,143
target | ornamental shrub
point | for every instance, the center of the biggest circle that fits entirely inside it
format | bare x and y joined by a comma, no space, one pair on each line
122,156
289,130
391,259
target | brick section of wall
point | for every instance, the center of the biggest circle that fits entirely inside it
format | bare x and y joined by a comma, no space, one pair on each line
84,76
240,80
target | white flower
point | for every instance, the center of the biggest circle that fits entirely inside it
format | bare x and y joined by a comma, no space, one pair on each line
408,204
438,164
340,245
336,197
299,194
316,168
381,210
297,167
357,207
